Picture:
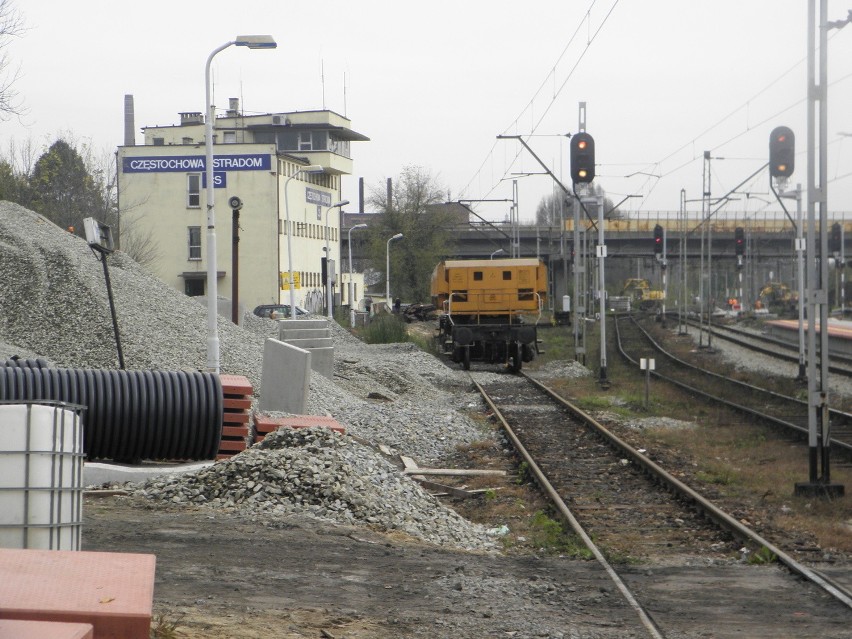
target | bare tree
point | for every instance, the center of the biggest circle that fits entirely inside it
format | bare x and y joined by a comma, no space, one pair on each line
554,208
11,25
416,209
139,244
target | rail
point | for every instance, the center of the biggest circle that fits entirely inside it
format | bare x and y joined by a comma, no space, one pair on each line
566,512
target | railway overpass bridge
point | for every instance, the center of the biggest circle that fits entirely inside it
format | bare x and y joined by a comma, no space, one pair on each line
769,253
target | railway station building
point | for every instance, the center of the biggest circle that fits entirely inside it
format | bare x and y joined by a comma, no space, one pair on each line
163,202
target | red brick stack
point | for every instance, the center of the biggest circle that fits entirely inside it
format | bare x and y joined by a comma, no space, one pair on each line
264,424
237,394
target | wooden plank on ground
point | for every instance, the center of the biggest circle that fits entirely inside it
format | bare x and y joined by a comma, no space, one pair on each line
449,490
408,462
453,472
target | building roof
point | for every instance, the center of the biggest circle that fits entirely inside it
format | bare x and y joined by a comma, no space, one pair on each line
341,132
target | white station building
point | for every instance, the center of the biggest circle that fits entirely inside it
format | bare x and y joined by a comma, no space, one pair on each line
162,198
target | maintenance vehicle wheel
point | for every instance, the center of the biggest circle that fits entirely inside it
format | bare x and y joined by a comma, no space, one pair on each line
515,360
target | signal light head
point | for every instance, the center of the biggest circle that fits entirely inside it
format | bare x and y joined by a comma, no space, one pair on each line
782,152
658,239
582,158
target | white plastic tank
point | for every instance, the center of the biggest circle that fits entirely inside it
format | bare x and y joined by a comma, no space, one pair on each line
41,475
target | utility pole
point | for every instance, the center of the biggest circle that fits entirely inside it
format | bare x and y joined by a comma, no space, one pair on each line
819,428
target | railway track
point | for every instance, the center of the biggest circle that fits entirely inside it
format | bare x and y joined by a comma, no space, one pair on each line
628,509
781,410
773,347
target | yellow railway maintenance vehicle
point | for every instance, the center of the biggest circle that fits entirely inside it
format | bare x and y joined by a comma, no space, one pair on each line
482,304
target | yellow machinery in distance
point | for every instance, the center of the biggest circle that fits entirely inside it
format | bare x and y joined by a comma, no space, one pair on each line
641,294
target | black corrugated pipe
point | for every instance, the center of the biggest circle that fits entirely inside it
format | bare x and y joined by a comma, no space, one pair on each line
130,415
27,363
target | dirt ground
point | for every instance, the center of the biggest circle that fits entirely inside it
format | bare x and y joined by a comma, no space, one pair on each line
222,576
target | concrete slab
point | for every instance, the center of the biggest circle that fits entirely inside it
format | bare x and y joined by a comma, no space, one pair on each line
322,361
114,592
286,377
97,474
17,629
286,334
315,342
302,323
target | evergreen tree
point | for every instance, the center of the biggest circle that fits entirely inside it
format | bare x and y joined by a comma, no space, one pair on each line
63,189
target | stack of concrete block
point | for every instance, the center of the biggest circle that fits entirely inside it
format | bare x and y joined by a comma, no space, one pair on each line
314,336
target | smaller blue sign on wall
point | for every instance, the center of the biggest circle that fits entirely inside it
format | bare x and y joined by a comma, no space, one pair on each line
220,180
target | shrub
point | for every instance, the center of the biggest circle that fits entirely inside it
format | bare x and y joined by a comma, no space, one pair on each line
384,329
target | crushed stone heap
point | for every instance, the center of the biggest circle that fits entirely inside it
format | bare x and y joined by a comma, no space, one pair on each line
54,305
326,474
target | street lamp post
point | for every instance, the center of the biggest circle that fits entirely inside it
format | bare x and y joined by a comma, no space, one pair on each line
311,168
357,226
328,257
252,42
398,236
497,252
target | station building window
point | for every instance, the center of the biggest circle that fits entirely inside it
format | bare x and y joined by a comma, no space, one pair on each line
194,287
194,242
193,190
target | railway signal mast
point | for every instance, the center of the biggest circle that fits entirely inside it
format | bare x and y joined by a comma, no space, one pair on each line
739,249
782,155
835,247
660,255
819,429
582,157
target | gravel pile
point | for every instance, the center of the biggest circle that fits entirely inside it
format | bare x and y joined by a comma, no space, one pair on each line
327,475
54,305
53,302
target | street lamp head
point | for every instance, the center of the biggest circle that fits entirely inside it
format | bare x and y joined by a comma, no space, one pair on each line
340,204
396,237
311,168
358,226
256,41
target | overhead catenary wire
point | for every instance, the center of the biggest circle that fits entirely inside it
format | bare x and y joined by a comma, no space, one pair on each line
659,164
530,103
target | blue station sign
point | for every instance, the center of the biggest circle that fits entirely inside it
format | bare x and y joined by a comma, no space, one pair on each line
195,163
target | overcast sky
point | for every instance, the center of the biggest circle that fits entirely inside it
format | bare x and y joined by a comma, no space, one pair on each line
434,83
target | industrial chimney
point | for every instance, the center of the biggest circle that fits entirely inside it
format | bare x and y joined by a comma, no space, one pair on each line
129,122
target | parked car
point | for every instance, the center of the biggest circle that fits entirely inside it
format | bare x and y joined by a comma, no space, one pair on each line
281,311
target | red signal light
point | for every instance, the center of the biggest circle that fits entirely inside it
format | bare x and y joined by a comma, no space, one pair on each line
582,157
782,152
